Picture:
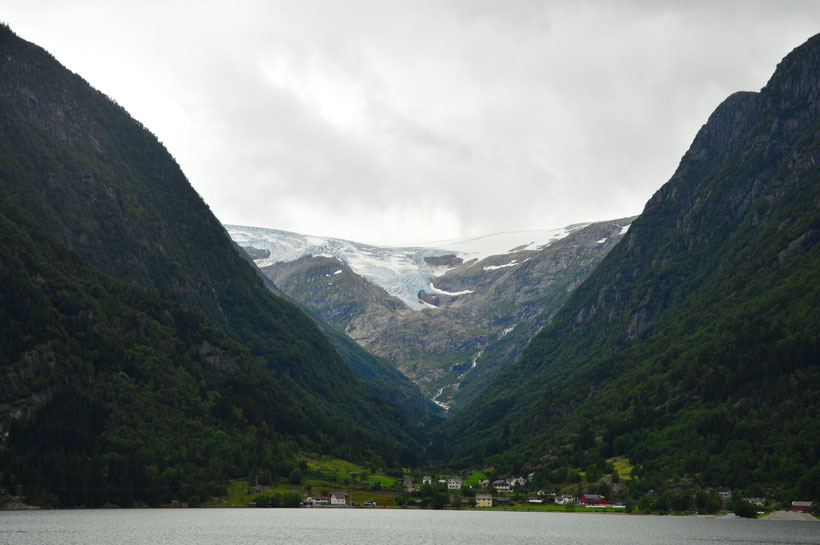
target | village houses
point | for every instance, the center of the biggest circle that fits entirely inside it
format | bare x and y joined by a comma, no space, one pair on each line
483,500
593,499
501,485
339,498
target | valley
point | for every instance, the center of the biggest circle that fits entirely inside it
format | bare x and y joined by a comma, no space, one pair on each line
152,356
450,315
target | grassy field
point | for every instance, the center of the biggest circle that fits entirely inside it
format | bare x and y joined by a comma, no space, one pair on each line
325,474
622,466
474,477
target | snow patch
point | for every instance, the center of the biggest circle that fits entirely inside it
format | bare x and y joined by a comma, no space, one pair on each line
402,271
506,331
338,272
452,293
602,240
624,229
512,263
502,243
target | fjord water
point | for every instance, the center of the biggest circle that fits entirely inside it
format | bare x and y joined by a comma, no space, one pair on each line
385,527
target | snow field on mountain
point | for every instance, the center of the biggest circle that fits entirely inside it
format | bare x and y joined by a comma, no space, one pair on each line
401,271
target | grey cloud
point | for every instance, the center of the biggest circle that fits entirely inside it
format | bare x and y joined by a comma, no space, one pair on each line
395,121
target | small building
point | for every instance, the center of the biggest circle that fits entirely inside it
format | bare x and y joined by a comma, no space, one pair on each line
501,501
427,479
407,482
339,498
483,500
593,499
502,485
535,501
565,499
484,482
316,502
724,492
453,483
801,505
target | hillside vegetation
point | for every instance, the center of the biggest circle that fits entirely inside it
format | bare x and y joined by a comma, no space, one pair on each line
138,345
693,348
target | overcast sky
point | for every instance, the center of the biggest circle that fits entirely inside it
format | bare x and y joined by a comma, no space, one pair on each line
394,122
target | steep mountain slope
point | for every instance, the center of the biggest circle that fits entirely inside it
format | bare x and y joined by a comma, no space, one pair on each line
111,393
381,377
481,299
693,348
331,290
458,347
98,185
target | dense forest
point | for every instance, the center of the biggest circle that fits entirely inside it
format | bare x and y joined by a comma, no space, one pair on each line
136,339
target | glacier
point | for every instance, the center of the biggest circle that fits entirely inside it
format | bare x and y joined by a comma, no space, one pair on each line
401,271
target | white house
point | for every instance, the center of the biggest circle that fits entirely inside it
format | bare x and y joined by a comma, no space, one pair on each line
339,498
453,483
501,485
564,499
427,479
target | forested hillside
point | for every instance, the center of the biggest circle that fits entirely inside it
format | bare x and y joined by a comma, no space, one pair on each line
131,325
693,350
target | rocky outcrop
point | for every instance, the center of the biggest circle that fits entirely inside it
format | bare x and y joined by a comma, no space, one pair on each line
256,253
217,357
443,260
329,289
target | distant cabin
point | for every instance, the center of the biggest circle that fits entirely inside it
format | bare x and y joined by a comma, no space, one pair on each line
316,502
593,499
565,499
483,500
801,505
501,485
427,479
408,482
724,492
453,483
339,498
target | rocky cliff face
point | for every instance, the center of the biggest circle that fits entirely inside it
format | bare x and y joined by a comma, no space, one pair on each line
329,289
479,314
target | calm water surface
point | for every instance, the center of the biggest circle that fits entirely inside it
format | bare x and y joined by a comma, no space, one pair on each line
384,527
